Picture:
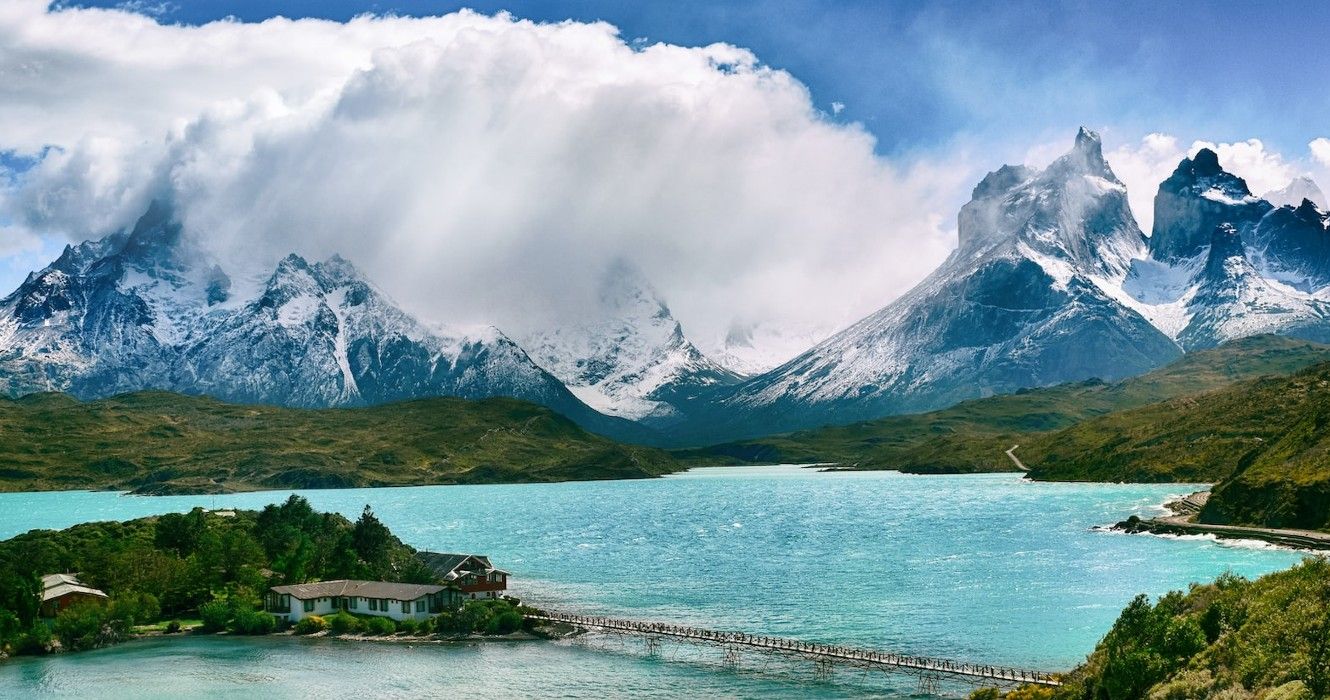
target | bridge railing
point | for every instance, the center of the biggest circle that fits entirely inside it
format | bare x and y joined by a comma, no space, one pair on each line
814,649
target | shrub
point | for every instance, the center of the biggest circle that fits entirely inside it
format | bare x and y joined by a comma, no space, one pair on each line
506,622
173,627
247,620
37,640
10,629
215,614
1292,690
85,626
379,626
344,623
134,608
407,626
311,624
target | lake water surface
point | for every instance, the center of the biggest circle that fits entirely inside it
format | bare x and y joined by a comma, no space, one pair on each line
987,568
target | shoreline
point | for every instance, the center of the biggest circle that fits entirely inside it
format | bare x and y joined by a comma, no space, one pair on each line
540,633
1181,523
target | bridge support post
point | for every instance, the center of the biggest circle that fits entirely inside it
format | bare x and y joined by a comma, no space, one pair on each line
731,658
652,645
927,684
822,669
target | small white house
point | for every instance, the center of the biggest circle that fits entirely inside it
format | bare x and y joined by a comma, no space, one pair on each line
398,601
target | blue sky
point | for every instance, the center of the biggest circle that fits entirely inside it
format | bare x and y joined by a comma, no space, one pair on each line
920,74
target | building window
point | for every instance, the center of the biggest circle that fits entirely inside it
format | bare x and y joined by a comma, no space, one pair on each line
406,606
373,603
354,602
309,606
420,605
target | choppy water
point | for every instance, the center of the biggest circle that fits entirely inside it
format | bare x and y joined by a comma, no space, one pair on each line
987,568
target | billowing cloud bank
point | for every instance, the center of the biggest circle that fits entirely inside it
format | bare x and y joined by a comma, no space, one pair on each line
486,169
481,169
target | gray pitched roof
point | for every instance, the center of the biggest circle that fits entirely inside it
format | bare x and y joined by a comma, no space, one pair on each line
57,585
360,589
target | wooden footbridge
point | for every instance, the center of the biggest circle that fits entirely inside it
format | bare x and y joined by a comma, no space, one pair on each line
825,655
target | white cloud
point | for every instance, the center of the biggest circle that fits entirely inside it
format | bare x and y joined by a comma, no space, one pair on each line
1320,149
480,168
1141,167
1263,169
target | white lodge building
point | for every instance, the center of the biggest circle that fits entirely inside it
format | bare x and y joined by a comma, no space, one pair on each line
399,601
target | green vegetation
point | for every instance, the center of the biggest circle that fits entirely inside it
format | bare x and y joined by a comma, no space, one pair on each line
311,625
216,566
1265,442
1234,639
972,436
159,443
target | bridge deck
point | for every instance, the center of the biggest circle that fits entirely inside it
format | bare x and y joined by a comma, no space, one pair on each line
827,652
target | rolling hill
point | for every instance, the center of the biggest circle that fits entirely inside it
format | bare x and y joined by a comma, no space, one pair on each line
158,442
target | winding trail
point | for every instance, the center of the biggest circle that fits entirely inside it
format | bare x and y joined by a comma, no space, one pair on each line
1016,460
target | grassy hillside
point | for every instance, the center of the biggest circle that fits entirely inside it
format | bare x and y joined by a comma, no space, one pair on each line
1265,441
154,442
1235,639
972,436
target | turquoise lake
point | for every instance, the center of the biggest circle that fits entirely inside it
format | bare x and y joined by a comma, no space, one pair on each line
987,568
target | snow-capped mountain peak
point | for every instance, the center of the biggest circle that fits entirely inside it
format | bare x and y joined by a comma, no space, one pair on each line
628,357
1298,189
144,308
1018,304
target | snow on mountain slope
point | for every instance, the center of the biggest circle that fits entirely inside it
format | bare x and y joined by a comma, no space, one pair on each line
1016,305
630,358
142,309
1233,300
1269,273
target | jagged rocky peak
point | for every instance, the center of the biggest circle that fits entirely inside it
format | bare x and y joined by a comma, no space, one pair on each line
1295,192
1087,156
1075,211
1199,196
1294,245
626,355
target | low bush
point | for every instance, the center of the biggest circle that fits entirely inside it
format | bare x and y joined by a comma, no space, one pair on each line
173,627
247,620
215,615
37,640
85,626
425,626
379,626
134,608
505,622
408,626
344,623
311,624
483,616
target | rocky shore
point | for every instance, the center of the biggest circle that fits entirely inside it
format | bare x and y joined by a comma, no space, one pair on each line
1181,521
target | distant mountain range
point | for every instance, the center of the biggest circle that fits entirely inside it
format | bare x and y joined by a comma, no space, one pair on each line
1052,281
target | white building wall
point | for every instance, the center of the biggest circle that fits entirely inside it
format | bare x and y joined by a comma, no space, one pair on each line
325,606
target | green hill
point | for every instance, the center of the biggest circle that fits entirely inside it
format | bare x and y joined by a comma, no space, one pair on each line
1265,441
972,436
155,442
